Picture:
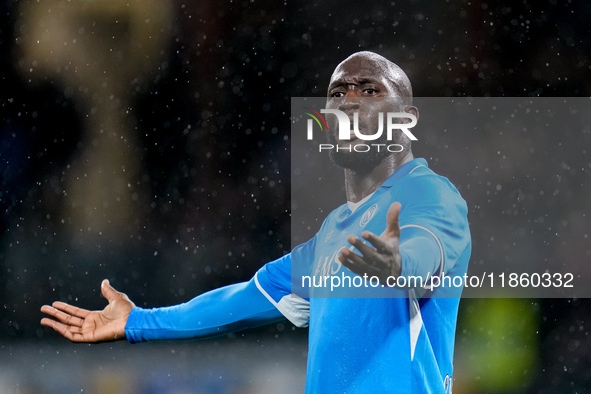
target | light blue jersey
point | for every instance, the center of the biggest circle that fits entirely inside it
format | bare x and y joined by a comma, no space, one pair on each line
399,344
362,344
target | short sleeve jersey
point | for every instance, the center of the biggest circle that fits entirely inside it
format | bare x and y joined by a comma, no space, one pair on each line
401,343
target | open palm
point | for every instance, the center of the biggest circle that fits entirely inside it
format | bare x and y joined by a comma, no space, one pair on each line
81,325
383,260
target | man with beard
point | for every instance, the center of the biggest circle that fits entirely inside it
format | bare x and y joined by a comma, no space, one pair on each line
398,343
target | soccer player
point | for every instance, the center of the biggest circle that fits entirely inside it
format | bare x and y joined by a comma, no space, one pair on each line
401,343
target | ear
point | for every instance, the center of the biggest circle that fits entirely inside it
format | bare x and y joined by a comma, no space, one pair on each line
412,110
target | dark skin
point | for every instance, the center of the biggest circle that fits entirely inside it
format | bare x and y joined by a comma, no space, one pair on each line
81,325
364,74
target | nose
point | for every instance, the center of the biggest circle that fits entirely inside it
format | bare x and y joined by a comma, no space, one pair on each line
351,101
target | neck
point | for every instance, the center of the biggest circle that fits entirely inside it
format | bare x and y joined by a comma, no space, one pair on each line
360,185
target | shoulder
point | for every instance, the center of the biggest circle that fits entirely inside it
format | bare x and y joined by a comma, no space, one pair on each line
424,185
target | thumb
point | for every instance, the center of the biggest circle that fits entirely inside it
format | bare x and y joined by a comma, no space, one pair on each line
392,226
108,291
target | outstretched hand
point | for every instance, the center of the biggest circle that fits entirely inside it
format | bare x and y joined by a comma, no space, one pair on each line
383,260
81,325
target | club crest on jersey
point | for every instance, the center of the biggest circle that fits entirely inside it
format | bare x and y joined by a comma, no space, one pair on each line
368,215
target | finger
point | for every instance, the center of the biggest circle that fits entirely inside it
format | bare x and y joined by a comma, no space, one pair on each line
48,322
62,317
71,310
56,325
361,268
350,256
366,250
377,242
109,292
68,332
392,225
356,263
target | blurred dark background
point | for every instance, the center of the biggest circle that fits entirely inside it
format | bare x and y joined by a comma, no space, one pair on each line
148,143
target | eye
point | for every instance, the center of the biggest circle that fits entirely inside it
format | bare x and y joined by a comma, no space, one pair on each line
370,91
337,94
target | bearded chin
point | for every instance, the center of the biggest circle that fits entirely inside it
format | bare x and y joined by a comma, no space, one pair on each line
359,162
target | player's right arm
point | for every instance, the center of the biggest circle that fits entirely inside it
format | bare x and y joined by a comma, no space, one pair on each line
220,311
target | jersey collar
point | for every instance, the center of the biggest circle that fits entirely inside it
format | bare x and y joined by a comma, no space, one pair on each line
405,169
